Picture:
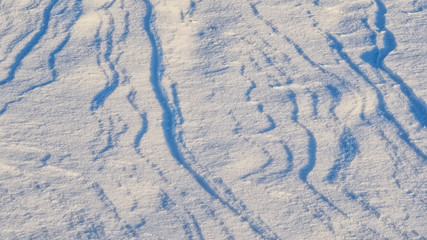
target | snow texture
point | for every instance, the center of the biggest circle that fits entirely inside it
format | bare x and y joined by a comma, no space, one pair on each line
213,119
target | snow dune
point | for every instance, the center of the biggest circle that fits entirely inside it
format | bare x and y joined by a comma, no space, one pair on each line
202,119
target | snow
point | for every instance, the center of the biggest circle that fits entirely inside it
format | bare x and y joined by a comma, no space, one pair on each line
165,119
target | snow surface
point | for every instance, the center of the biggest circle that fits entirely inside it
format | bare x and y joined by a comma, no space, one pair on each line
213,119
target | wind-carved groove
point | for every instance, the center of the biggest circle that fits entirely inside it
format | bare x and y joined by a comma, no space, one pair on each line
350,141
248,92
112,138
311,150
6,105
190,11
387,221
113,82
352,144
33,5
108,5
263,167
108,67
142,131
15,42
144,121
312,145
381,106
283,173
274,82
131,98
336,98
169,128
45,159
349,148
343,81
127,228
51,62
376,57
31,44
315,103
177,108
190,225
125,33
196,226
272,125
297,48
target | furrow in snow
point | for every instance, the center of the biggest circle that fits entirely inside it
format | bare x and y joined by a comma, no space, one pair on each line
311,151
336,98
144,120
113,77
283,173
349,148
77,12
262,168
315,103
177,108
51,61
127,229
248,92
169,127
381,106
297,48
31,44
6,105
376,57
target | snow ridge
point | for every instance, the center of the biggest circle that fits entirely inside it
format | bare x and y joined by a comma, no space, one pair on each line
31,44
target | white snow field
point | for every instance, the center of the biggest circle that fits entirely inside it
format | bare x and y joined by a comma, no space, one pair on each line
213,119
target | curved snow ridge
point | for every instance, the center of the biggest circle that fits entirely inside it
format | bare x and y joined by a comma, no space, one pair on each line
113,80
272,125
169,127
190,226
142,131
311,161
126,229
76,12
176,109
299,50
349,148
281,148
315,103
51,63
381,106
262,168
6,105
15,42
312,152
376,57
31,44
336,98
311,145
375,212
144,120
417,105
277,176
250,89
